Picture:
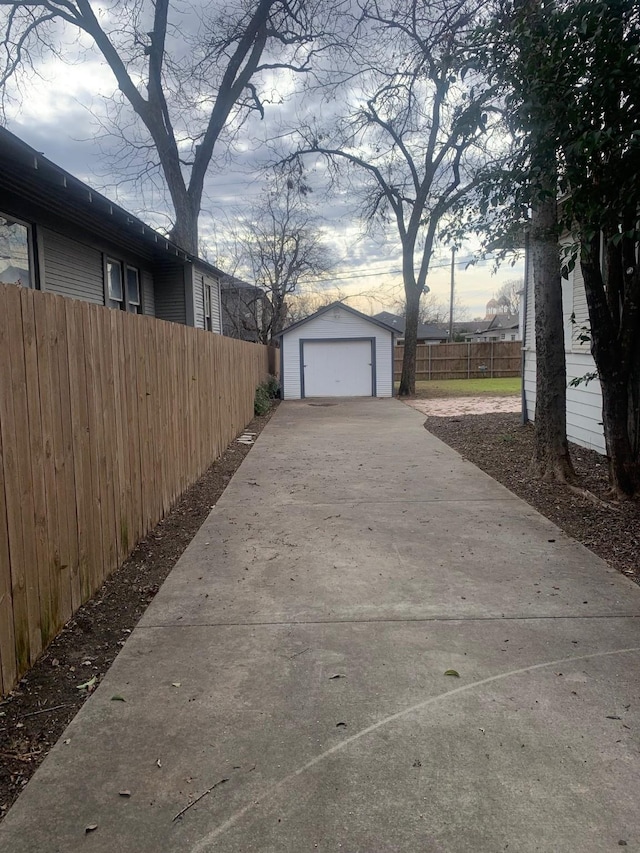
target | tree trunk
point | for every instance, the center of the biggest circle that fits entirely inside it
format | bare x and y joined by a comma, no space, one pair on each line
278,313
616,377
185,230
408,377
551,459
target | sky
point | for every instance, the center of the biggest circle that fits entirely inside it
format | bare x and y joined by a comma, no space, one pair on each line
60,112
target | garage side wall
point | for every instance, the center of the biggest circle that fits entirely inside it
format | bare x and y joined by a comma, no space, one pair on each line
339,324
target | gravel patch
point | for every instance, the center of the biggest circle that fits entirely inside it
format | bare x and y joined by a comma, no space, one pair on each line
466,405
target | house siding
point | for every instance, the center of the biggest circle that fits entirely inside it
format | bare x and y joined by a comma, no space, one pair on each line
198,298
216,306
584,402
327,326
71,268
201,278
170,301
581,322
148,295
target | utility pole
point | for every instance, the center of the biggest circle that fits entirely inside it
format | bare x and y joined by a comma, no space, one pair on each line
453,270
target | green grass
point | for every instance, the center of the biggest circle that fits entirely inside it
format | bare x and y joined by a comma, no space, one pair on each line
468,388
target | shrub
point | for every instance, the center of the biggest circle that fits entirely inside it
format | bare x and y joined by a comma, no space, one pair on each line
262,401
273,387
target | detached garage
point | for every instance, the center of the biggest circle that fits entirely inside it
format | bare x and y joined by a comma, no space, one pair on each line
337,352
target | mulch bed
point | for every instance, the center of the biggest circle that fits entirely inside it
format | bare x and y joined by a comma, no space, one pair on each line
503,447
35,714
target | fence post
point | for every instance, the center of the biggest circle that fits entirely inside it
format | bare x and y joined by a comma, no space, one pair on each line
491,359
468,359
429,362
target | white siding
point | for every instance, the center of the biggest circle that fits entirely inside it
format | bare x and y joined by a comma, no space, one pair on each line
336,323
530,329
198,299
216,306
529,383
584,403
581,323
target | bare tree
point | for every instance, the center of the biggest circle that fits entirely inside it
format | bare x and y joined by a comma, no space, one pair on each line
510,295
433,310
189,78
302,305
413,131
280,248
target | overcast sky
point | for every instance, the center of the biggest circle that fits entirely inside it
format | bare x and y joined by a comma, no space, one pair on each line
56,114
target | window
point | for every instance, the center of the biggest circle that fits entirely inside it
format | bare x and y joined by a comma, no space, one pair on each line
122,286
16,259
513,337
115,292
133,291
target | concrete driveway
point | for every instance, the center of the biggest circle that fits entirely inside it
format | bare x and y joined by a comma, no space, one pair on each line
298,652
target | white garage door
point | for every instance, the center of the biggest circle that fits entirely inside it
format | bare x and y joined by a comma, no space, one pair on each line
337,368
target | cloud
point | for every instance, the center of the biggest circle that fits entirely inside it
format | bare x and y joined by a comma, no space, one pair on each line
60,114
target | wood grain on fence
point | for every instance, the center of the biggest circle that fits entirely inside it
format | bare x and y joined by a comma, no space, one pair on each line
464,360
105,419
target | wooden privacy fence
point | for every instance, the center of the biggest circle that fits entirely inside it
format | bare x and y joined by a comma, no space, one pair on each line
105,418
463,360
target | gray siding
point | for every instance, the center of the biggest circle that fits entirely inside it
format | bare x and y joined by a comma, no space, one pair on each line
71,268
170,301
148,295
200,278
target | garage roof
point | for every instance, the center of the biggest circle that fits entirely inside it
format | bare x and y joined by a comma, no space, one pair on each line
330,307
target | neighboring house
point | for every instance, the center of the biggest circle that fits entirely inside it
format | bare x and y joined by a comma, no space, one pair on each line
427,332
336,352
499,324
245,310
584,402
59,235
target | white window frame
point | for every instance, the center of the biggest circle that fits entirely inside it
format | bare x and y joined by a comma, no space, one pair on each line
123,304
31,254
133,306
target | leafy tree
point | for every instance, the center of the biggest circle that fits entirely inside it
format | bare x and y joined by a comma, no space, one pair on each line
191,80
410,133
600,149
570,71
518,194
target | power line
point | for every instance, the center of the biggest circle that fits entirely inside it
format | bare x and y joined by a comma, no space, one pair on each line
356,275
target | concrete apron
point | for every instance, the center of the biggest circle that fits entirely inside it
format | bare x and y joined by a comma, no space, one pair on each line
298,651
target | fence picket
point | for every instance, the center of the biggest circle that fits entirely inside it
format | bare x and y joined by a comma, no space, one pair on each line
104,420
463,360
